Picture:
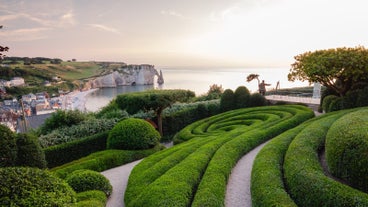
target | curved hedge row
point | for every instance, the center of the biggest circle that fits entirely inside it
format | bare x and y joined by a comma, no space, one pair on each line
347,149
103,160
195,172
288,172
60,154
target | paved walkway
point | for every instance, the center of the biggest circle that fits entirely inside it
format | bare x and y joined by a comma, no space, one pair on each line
238,186
119,179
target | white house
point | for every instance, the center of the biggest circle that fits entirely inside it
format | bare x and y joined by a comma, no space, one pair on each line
17,81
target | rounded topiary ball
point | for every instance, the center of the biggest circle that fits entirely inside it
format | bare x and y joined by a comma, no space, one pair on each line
133,134
86,180
347,149
22,186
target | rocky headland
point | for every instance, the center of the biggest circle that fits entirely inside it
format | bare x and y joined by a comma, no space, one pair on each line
130,75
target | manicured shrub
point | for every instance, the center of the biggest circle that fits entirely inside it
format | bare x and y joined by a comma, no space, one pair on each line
92,195
241,97
85,180
195,172
103,160
306,180
176,118
67,152
8,147
90,203
227,100
30,153
362,99
336,105
133,134
256,99
347,149
31,187
327,101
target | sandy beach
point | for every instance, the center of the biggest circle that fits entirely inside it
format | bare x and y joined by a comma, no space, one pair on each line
76,100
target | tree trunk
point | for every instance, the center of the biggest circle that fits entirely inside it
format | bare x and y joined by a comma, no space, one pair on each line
159,122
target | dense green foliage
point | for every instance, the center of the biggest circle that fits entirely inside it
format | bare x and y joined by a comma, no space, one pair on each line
327,102
8,149
29,152
156,100
95,198
242,97
352,99
195,172
103,160
347,149
72,133
305,178
86,180
62,118
31,187
133,134
227,100
180,115
63,153
341,69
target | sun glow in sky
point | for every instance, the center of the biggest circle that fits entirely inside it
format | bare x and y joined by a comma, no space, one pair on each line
182,33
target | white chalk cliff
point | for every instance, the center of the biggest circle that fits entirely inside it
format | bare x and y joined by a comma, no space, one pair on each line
131,75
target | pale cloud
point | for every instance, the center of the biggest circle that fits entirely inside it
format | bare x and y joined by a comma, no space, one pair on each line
24,34
172,13
67,19
104,28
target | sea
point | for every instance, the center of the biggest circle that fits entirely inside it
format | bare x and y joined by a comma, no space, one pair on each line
199,81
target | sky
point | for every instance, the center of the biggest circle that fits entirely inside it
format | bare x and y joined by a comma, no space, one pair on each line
181,33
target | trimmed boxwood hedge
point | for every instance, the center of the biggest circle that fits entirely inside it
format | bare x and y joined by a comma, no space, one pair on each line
86,180
31,187
133,134
306,180
195,172
267,182
103,160
60,154
347,149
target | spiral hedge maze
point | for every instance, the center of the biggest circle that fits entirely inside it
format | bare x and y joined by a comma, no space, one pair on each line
195,172
288,171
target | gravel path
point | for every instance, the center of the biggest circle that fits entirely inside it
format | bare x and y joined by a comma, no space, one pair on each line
119,179
238,186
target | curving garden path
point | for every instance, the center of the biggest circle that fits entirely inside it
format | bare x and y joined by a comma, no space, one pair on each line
238,187
237,190
118,178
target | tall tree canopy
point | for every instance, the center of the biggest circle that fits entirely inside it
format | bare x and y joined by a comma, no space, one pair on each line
341,69
156,100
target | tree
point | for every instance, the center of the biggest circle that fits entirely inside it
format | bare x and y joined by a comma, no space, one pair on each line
341,69
30,153
2,49
241,96
227,100
8,147
156,100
